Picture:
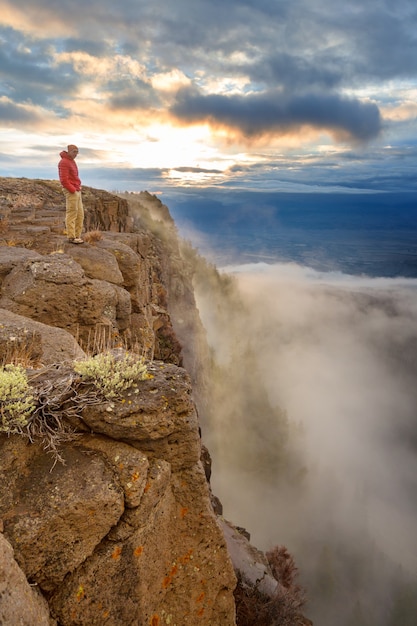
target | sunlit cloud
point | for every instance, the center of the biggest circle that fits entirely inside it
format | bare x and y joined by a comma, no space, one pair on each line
169,81
36,20
403,112
295,84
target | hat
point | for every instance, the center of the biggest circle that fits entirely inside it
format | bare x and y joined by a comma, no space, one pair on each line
72,147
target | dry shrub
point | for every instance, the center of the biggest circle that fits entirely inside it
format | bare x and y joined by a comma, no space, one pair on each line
256,609
93,236
284,607
282,566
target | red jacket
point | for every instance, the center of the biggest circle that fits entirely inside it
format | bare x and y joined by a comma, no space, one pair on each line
68,173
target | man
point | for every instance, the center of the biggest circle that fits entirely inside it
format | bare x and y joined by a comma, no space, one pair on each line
71,186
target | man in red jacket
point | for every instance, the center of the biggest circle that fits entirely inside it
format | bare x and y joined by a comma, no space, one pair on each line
71,186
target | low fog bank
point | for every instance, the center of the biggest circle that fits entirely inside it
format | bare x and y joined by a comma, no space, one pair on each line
313,428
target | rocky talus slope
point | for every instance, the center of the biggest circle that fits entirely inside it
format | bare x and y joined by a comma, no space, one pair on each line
117,526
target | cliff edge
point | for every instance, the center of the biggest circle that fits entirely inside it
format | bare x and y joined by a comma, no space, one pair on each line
106,512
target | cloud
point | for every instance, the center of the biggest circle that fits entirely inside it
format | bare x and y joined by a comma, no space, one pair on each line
131,96
337,353
30,73
259,114
12,114
197,170
291,78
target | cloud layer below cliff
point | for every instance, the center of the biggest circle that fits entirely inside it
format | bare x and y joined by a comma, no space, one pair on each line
338,353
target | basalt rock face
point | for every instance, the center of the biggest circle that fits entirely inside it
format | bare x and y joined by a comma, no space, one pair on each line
114,285
121,530
19,602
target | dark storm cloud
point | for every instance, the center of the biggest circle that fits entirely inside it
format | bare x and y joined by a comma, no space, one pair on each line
299,43
298,46
335,41
129,94
270,113
390,47
296,71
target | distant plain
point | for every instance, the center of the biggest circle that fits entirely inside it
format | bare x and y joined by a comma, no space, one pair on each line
373,234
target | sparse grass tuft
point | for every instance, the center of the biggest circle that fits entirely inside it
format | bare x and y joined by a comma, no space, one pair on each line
44,403
20,348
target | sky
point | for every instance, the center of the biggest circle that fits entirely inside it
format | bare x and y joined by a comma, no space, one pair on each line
280,95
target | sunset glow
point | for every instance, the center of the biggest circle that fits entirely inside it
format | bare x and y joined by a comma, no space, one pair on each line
202,96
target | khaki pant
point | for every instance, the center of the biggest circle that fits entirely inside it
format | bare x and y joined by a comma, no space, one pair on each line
74,218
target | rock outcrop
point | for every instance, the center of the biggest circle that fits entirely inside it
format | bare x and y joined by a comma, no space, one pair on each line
120,528
115,285
35,342
122,532
20,603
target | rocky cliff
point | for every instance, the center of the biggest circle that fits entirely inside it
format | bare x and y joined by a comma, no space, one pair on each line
106,511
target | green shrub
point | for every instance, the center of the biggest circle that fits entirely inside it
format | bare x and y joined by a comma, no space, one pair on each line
110,374
16,400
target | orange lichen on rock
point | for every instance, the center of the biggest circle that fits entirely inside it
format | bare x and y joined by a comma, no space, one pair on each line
116,553
186,558
138,551
168,579
154,620
183,512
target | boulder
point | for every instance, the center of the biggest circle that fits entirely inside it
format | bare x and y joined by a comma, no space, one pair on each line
55,518
32,343
127,260
11,256
156,415
169,566
20,604
96,262
130,465
54,290
250,564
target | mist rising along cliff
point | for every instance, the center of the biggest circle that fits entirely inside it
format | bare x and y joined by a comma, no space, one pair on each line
107,515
